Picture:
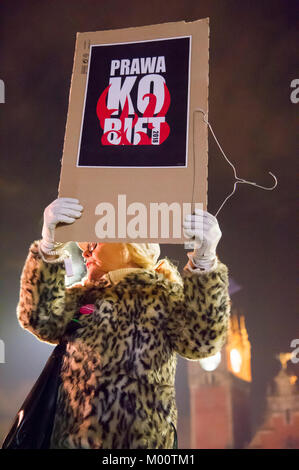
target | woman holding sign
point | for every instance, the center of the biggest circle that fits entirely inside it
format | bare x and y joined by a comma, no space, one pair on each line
133,315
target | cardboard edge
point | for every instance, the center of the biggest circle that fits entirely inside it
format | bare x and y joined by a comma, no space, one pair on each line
207,112
68,107
144,27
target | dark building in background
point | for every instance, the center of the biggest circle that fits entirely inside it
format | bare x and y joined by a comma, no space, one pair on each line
280,427
220,393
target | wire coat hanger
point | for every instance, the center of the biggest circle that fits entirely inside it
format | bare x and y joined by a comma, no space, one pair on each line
238,180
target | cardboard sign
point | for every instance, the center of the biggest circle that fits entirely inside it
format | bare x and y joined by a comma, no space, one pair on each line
135,151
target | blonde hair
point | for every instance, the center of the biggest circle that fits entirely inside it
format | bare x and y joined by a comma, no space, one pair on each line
164,266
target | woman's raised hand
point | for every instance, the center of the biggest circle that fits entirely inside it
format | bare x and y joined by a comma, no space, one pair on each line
61,210
204,226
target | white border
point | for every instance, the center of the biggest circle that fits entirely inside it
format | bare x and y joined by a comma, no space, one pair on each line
188,104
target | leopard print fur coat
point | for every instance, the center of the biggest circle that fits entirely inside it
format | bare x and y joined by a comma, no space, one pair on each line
118,372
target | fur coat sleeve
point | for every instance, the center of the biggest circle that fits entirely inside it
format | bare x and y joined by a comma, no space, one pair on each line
198,314
45,307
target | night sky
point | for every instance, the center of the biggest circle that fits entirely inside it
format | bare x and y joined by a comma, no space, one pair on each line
252,63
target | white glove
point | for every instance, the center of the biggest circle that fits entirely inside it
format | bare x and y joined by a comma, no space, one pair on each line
204,226
63,209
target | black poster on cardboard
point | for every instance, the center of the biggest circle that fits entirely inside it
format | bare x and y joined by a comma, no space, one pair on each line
136,105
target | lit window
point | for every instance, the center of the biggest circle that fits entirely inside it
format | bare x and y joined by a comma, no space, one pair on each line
235,360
